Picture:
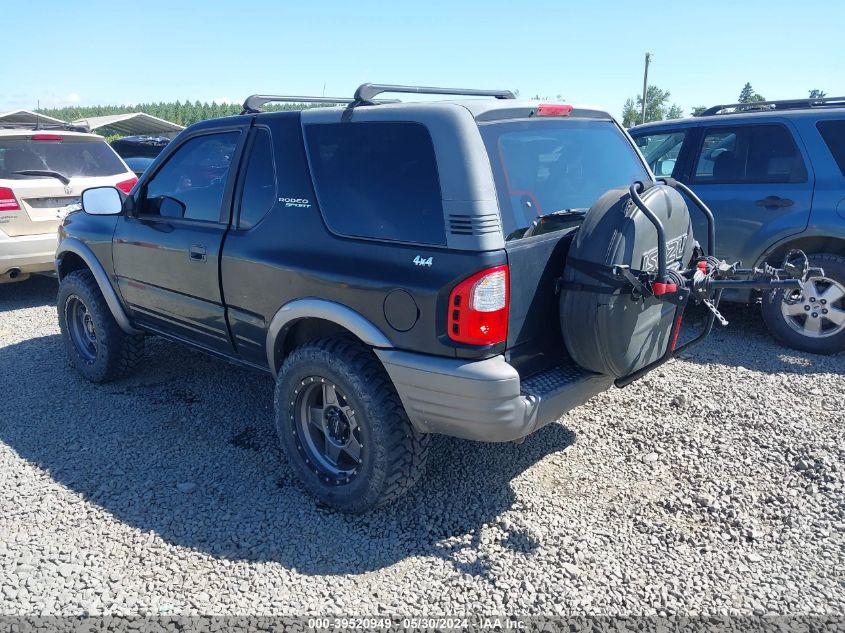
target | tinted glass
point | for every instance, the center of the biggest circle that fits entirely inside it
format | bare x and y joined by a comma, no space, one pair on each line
543,167
259,193
661,151
138,164
377,179
833,133
74,159
191,183
749,154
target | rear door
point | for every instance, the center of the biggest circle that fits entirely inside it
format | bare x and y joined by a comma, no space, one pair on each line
548,173
33,204
167,253
756,179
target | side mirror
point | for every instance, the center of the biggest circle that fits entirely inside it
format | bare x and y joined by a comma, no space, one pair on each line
102,201
666,167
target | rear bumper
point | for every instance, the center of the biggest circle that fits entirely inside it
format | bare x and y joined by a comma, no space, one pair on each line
485,400
30,253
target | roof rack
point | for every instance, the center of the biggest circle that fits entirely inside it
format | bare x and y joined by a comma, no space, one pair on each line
785,104
253,103
367,92
366,95
37,126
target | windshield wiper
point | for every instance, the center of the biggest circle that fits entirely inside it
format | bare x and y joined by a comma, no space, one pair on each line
44,172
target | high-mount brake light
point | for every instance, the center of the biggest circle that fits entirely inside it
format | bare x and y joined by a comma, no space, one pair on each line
554,109
47,137
126,185
478,308
8,202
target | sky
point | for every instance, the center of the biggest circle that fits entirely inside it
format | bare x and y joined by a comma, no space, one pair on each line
110,53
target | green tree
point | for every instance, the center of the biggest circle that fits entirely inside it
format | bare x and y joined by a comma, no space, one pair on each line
748,95
675,112
630,114
817,94
698,110
657,107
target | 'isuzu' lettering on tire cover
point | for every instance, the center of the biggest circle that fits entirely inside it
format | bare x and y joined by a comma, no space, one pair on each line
674,253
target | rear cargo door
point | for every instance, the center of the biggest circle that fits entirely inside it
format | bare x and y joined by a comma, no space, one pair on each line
548,172
30,204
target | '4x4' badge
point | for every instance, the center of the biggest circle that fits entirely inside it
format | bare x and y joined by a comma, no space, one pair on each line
419,261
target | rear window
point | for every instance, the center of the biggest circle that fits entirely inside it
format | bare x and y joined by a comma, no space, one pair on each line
833,133
75,159
747,154
377,179
556,166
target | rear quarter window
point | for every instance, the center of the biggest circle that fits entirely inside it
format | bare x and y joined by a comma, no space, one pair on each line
377,179
833,133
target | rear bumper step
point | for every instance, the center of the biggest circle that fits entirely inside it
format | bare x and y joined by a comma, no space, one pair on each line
485,400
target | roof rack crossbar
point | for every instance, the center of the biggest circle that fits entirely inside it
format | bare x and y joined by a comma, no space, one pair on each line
253,103
783,104
366,93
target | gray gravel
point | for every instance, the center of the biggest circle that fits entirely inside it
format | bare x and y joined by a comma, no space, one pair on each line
715,485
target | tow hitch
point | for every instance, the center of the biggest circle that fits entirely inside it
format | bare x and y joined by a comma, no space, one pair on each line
704,281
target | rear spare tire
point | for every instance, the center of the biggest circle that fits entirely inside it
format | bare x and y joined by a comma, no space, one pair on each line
605,329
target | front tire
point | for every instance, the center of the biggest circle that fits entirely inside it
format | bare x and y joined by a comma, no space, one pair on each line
344,429
815,320
96,345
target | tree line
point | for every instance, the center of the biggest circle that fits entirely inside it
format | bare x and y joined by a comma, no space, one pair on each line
657,106
183,113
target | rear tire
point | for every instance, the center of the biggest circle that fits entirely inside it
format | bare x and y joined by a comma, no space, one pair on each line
816,321
96,345
344,429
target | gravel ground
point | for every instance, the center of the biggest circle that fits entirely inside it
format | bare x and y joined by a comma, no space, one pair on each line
715,485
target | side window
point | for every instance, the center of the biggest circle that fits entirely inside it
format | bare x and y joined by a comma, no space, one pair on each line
377,179
833,133
661,151
259,190
749,154
191,183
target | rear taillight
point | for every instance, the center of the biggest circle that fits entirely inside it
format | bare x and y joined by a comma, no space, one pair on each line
554,109
126,185
478,308
47,137
8,202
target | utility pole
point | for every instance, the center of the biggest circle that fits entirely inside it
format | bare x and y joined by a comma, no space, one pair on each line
645,85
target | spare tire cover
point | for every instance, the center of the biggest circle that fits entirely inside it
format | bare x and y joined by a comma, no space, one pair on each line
604,328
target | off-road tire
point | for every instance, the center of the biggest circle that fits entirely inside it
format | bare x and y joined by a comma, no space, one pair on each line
780,329
393,453
117,353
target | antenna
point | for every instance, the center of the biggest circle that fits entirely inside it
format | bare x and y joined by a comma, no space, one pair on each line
37,108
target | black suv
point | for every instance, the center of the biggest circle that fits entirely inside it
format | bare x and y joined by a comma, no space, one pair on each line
401,268
774,175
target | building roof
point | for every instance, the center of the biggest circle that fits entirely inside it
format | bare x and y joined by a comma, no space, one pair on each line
133,123
26,117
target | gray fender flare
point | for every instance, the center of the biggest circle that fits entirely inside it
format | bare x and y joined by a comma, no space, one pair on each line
337,313
73,245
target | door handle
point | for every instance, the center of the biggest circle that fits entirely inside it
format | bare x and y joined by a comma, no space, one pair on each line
197,253
775,202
